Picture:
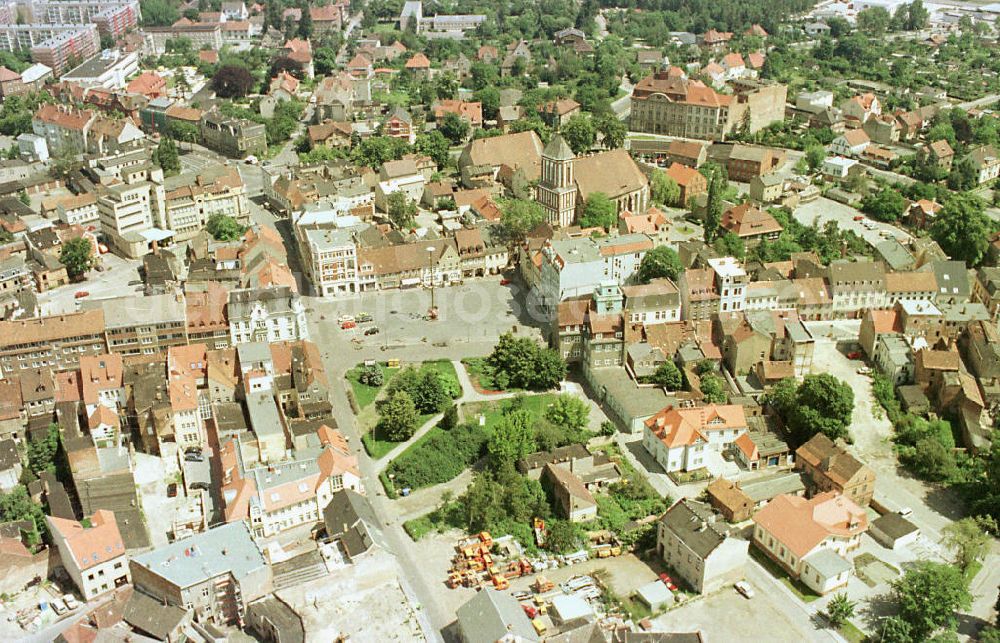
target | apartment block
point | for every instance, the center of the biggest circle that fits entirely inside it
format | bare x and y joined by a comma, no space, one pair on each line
142,325
233,137
190,200
266,315
56,342
92,552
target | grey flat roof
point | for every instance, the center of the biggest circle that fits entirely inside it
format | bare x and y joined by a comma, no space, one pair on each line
828,563
225,549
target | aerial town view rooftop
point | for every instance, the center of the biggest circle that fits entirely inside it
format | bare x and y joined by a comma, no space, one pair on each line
578,321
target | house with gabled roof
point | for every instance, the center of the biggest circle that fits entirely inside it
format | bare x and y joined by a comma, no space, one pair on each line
830,467
92,552
696,543
679,438
809,538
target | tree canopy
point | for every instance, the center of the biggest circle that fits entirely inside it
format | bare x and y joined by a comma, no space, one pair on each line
397,417
599,212
820,404
520,362
223,227
927,598
660,262
232,81
962,228
78,257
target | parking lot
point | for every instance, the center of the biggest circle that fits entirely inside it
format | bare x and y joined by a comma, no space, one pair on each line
119,277
823,209
479,310
769,616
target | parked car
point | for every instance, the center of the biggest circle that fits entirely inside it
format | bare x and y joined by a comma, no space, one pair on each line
363,317
58,606
860,217
505,282
864,370
347,325
80,294
194,457
70,601
744,588
669,582
202,486
346,318
192,450
372,331
172,490
905,512
854,355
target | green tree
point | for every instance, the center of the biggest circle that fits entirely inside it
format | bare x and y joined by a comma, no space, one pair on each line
454,127
918,16
713,210
840,609
928,596
713,389
401,210
562,537
165,155
374,151
430,395
885,205
42,452
730,245
664,189
580,133
873,21
78,257
612,131
158,13
18,505
668,376
182,131
568,411
513,438
518,217
434,145
821,403
489,97
223,227
371,376
970,539
660,262
814,156
397,417
962,228
305,29
599,212
963,175
519,362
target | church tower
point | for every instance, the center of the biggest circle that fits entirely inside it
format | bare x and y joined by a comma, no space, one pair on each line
557,187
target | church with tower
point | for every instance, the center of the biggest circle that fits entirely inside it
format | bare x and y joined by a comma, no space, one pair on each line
567,182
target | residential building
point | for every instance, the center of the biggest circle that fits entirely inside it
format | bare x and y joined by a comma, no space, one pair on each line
676,106
233,137
893,358
575,502
751,224
679,438
201,35
492,615
283,495
986,163
576,267
728,499
92,552
64,129
691,182
142,325
55,46
744,162
78,210
851,143
767,189
56,341
810,538
217,573
350,519
131,210
830,467
941,154
695,543
266,315
657,302
856,286
190,200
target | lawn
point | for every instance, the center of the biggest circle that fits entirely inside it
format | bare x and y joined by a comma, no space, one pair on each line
480,373
438,456
852,633
364,394
798,588
377,448
418,527
534,404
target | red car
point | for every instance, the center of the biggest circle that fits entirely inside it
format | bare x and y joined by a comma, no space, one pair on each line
529,610
348,325
80,294
669,582
859,218
505,282
854,355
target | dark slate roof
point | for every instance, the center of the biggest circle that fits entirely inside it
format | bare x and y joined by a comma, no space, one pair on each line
350,518
152,617
491,615
695,523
